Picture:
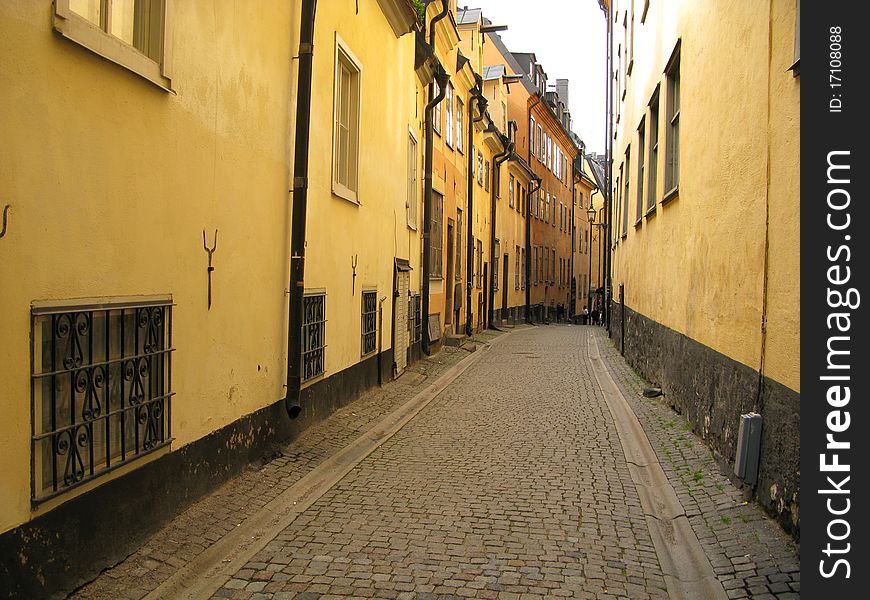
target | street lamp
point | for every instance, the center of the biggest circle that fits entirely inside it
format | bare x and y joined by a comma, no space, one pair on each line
590,213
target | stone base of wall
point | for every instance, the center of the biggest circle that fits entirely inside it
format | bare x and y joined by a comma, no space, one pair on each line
55,553
712,390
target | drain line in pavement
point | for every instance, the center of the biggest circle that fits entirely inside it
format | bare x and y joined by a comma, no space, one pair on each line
687,571
205,574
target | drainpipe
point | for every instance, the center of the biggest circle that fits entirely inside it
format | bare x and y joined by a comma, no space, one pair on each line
299,211
536,183
608,175
481,101
442,78
493,195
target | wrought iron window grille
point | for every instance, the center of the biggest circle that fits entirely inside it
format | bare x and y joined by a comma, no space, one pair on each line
313,335
100,390
369,321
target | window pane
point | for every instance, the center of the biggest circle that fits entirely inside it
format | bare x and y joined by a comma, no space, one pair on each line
122,19
89,9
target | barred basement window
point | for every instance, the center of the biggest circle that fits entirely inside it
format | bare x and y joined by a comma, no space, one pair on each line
369,321
313,335
100,393
415,326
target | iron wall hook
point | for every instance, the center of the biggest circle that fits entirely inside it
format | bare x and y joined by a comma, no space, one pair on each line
5,220
210,252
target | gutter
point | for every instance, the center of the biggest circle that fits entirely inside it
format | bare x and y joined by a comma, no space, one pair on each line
496,180
299,210
481,101
442,79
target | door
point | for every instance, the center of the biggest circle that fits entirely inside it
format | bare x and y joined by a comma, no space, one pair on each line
448,280
504,290
400,321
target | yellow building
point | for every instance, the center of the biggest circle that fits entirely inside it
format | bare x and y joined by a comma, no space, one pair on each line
583,235
705,220
147,156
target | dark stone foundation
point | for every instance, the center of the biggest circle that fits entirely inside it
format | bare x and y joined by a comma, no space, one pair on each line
712,391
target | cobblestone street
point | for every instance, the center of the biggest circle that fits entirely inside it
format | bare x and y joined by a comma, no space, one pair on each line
511,483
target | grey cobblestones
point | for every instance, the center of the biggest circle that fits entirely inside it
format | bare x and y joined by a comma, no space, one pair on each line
212,517
508,485
750,554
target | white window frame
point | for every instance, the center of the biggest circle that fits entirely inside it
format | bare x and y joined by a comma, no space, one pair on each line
343,51
448,124
97,39
412,200
460,119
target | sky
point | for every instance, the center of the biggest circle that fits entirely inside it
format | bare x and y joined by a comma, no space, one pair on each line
569,39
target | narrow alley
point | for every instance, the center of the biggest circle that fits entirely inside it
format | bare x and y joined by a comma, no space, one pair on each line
512,482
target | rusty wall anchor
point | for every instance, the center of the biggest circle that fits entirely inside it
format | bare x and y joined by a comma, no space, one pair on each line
210,251
5,222
353,263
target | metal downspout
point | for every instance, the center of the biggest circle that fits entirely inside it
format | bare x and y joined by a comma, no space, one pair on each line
299,211
608,175
442,77
493,196
481,102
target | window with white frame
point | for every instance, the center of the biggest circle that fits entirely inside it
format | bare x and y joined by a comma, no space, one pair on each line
412,182
346,114
436,237
641,157
523,268
436,112
511,191
135,34
495,262
460,116
479,167
448,123
652,170
626,177
672,133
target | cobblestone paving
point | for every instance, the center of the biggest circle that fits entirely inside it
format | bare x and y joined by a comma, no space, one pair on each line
209,519
750,554
511,484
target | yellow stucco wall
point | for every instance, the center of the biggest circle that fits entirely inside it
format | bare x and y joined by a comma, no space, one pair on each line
697,264
111,182
374,231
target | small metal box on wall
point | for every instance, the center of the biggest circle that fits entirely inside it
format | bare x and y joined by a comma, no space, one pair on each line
748,448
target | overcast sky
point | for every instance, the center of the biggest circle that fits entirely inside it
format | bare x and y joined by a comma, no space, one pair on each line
568,37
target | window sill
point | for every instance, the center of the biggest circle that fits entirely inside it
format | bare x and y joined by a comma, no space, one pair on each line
671,195
436,277
345,193
650,212
638,222
88,35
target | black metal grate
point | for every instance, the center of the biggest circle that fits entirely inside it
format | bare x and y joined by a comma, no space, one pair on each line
313,335
415,324
100,393
369,322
